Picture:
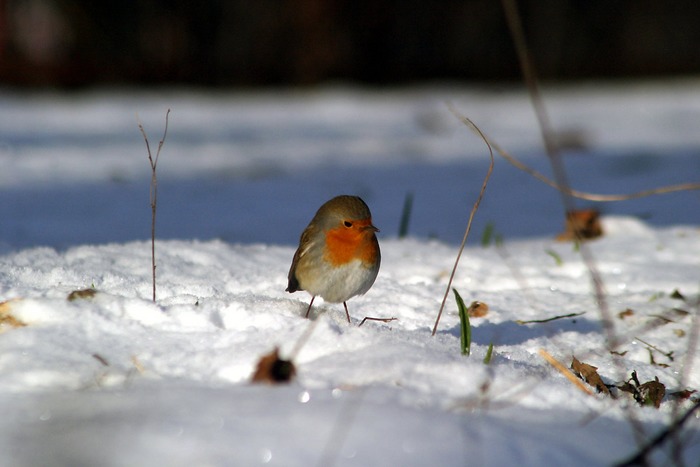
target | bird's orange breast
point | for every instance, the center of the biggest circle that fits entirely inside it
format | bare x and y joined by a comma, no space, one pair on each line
345,244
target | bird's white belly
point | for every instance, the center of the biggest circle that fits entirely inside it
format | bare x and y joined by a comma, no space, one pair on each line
340,283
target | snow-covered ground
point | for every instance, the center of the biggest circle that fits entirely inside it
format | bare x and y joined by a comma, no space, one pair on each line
118,380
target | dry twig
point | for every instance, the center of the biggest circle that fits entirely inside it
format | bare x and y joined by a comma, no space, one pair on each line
596,197
641,457
531,81
476,129
564,371
154,192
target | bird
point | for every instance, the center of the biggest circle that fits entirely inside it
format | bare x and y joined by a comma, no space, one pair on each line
338,256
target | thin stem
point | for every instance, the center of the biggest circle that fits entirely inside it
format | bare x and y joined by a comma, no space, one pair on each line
471,125
532,84
153,193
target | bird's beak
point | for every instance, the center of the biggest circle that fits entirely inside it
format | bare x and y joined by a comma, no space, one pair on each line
370,227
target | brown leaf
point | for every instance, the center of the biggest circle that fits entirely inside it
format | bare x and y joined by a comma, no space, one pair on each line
478,309
682,395
83,293
564,371
626,313
629,388
589,374
651,393
581,224
273,370
7,320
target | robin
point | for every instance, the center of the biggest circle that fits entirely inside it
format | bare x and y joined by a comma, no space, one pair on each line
338,255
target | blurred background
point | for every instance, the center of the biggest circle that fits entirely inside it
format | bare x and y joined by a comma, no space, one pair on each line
290,102
246,43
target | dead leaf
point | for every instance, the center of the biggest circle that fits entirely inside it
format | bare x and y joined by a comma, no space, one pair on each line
589,374
564,371
272,369
478,309
83,293
682,395
651,393
624,314
7,320
581,224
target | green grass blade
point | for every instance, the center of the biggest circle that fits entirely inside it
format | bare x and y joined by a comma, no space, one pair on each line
487,235
489,353
466,329
555,256
406,215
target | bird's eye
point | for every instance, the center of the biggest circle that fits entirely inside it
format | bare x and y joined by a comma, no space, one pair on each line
347,224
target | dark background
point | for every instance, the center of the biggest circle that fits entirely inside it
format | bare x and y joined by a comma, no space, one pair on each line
74,43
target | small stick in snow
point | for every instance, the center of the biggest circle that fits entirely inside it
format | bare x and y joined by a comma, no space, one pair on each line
100,359
564,371
154,193
137,364
553,318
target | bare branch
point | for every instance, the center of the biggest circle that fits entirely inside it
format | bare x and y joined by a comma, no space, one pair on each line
641,457
531,81
597,197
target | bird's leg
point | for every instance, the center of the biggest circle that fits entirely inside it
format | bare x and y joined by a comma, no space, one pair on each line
309,308
346,311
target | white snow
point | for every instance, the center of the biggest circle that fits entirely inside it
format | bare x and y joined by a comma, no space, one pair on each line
118,380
